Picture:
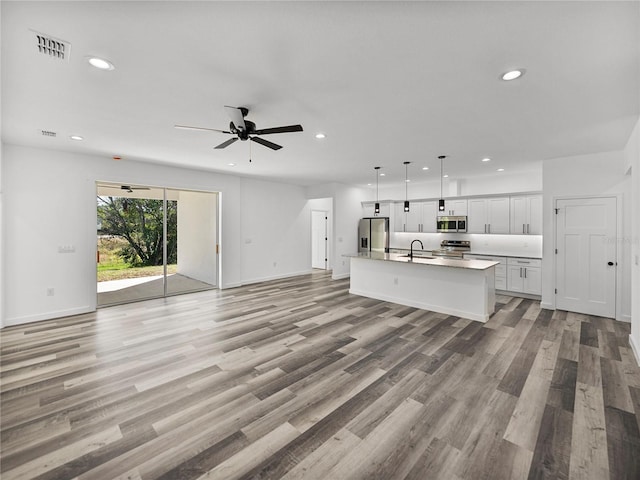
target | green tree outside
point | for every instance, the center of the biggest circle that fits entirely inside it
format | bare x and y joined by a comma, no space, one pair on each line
139,221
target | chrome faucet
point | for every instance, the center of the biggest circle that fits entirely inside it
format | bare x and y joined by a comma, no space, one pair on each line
421,246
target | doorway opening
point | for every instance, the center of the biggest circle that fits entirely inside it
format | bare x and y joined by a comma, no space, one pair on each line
154,242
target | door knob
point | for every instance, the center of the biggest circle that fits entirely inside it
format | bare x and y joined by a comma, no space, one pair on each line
610,263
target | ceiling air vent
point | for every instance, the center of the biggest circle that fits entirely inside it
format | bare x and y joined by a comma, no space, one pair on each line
52,47
48,133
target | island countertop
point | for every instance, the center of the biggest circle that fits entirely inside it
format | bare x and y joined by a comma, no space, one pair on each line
468,263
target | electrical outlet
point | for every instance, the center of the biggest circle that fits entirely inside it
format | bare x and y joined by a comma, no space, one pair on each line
395,280
343,263
274,264
50,292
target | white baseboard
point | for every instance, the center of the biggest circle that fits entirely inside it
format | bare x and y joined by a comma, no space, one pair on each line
340,276
624,318
547,306
276,277
635,350
47,316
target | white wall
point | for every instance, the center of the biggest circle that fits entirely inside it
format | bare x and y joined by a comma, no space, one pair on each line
49,200
632,160
276,238
496,184
598,174
197,225
1,243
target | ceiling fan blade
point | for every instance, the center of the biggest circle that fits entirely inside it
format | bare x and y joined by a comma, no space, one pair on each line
266,143
236,117
287,129
187,127
227,143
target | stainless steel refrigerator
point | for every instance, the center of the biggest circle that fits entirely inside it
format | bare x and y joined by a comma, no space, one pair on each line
373,234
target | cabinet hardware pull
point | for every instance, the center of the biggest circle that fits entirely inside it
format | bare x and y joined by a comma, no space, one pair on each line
523,229
525,273
527,228
520,272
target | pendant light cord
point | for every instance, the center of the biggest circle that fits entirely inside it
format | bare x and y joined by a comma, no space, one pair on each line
441,159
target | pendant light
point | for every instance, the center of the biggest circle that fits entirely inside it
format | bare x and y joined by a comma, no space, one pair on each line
406,181
441,201
376,209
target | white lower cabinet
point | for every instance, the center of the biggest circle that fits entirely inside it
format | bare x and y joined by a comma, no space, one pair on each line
500,270
514,274
524,275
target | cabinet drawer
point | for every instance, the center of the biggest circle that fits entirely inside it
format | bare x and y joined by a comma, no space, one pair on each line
501,283
501,271
489,258
524,262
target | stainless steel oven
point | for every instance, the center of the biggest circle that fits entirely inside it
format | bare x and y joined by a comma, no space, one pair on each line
452,249
452,224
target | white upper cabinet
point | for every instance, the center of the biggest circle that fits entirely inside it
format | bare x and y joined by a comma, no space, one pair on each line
368,209
488,215
429,216
421,217
526,215
454,207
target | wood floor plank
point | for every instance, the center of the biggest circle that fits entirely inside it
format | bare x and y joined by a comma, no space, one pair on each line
553,446
296,378
589,457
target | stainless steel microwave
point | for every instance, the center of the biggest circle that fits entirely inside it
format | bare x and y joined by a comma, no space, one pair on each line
452,224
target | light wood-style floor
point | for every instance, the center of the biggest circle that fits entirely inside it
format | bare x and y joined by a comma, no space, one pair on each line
298,379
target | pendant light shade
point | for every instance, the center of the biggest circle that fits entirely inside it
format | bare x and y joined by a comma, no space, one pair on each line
406,181
376,208
441,201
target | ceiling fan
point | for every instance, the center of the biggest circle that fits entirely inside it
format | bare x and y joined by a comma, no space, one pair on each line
126,188
245,129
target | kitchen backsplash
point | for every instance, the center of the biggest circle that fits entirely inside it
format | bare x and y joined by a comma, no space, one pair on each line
508,245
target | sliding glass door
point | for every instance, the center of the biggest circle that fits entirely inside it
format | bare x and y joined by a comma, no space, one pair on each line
153,242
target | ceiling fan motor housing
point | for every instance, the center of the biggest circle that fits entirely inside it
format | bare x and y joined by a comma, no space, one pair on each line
243,134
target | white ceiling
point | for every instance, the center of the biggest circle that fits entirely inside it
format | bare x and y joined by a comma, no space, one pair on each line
387,82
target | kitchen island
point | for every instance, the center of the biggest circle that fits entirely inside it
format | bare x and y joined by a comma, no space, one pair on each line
460,287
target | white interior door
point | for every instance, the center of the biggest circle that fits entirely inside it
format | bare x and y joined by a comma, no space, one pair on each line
586,256
319,239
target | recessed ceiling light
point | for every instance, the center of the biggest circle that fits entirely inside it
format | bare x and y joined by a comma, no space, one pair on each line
369,184
512,74
500,170
320,135
407,180
76,137
231,164
382,174
101,63
445,176
425,168
486,159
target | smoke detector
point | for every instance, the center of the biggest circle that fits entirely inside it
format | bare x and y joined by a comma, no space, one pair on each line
52,47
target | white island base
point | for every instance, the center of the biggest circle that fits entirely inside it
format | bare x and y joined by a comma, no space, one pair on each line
461,291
